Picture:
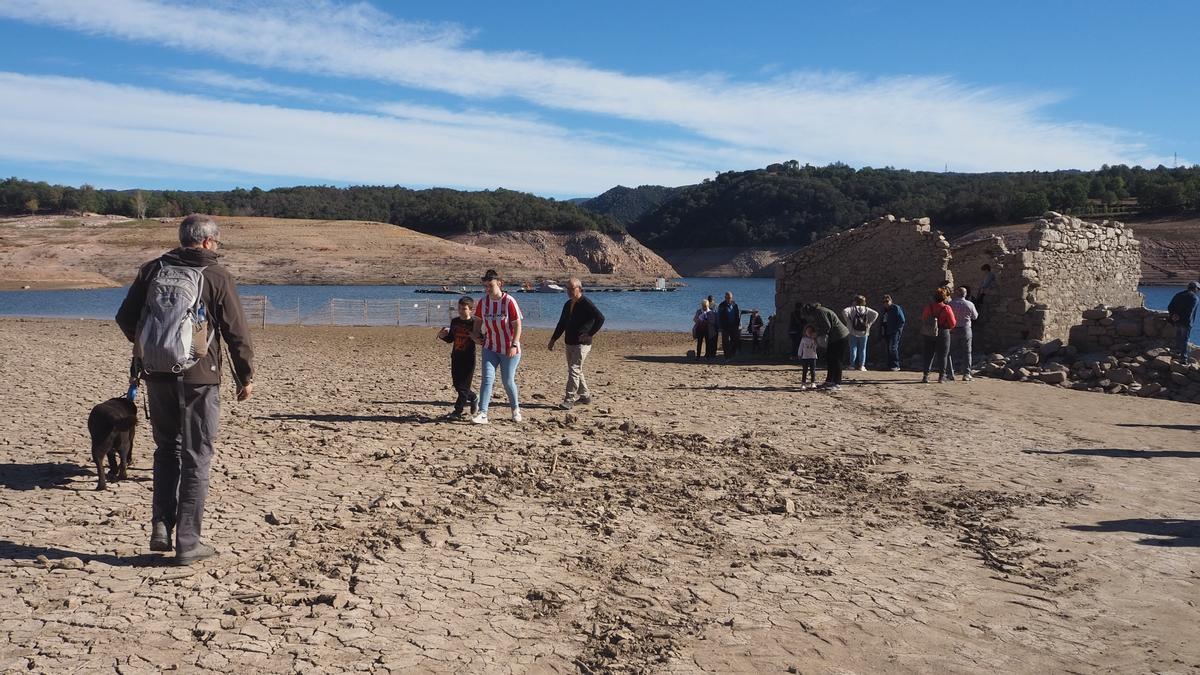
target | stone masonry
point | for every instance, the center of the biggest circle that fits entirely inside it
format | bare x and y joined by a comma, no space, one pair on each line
1069,265
903,258
1123,350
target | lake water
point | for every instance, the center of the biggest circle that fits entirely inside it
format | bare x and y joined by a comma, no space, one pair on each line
624,311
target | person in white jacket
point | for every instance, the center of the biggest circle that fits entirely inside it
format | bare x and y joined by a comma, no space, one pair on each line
859,319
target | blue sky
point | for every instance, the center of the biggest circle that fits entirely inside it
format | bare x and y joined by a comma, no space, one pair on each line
567,99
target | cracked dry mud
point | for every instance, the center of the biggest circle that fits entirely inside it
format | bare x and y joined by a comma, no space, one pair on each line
695,518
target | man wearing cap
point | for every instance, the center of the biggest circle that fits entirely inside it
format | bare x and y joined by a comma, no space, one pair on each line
1183,310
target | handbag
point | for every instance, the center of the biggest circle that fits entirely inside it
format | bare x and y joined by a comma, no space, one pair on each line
929,327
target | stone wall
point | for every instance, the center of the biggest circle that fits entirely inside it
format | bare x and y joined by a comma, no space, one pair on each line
1070,265
1126,350
903,258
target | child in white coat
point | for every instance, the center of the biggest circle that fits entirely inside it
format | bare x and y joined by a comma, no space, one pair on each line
808,358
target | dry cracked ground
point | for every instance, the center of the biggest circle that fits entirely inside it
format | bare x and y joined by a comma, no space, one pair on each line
695,518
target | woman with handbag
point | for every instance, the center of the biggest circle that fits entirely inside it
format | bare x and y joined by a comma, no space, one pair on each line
937,320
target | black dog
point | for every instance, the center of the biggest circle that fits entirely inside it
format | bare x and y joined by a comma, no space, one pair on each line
112,425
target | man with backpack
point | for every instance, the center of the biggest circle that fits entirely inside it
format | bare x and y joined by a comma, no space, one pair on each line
178,311
1183,309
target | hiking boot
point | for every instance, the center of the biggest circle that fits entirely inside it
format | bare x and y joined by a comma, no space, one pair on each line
474,406
517,416
197,553
566,405
833,387
481,418
584,400
160,537
455,415
925,380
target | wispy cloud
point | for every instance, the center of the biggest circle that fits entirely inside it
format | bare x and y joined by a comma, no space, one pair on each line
914,122
214,82
56,119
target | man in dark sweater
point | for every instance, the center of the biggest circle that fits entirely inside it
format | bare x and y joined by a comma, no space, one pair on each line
729,320
1183,309
184,406
578,323
829,325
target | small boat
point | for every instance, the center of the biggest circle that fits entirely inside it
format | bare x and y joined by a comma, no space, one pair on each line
543,286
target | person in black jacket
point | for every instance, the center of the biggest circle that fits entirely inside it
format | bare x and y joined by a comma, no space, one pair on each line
1184,308
729,319
578,323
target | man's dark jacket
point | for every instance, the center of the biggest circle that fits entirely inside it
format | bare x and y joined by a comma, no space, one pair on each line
1184,306
223,308
729,317
893,321
580,323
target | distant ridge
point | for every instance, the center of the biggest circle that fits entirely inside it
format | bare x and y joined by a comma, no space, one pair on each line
625,205
792,205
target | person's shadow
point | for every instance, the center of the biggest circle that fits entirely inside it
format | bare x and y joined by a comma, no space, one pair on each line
1166,531
10,550
40,475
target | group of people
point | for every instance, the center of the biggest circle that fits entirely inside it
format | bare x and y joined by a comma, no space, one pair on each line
946,330
725,320
183,307
494,323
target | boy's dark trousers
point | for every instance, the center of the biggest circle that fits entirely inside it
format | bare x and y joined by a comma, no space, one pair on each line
462,372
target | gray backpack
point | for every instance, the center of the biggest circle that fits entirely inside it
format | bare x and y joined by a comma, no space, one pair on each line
173,332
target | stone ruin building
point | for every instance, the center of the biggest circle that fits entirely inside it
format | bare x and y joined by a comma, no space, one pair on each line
903,258
1065,266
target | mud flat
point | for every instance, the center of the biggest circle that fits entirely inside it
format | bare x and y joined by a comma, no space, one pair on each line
695,518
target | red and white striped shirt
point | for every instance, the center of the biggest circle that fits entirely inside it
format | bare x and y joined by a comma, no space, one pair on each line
497,317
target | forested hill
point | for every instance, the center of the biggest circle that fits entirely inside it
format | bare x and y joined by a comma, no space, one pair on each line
789,204
436,211
626,205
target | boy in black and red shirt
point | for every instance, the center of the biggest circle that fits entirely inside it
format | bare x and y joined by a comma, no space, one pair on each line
462,357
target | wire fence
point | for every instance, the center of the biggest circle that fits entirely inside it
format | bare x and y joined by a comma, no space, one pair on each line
260,311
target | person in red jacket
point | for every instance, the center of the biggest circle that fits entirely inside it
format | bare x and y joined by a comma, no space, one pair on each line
937,320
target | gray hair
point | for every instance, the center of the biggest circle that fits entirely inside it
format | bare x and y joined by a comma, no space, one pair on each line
197,228
574,281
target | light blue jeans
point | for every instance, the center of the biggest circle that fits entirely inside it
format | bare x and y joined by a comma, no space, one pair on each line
858,351
508,375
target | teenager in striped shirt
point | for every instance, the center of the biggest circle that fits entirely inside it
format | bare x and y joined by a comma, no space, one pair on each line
498,329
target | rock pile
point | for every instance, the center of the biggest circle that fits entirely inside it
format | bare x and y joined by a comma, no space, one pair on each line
1115,351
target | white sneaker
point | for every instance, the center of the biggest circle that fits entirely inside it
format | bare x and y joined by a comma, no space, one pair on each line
517,415
481,418
862,369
